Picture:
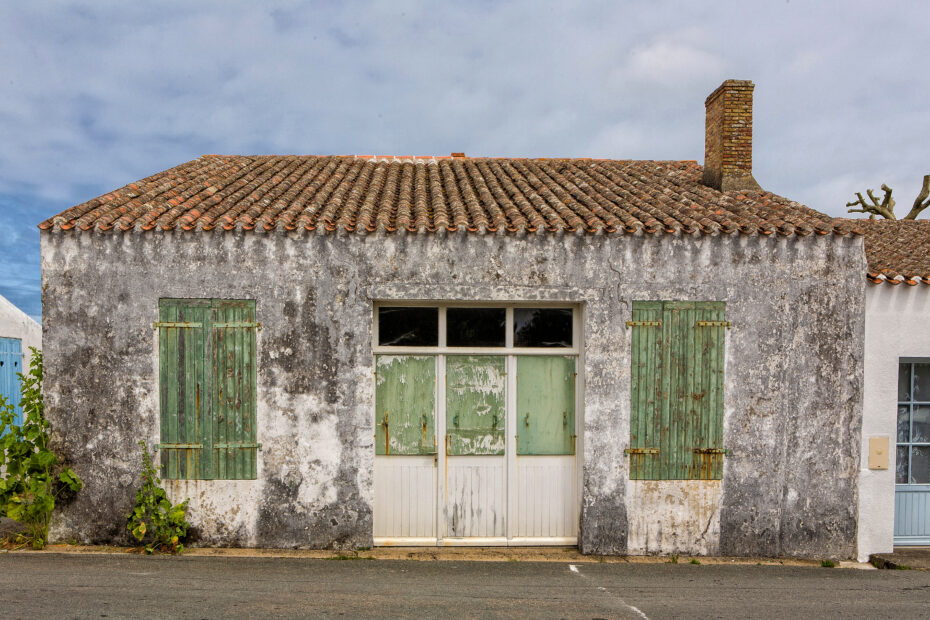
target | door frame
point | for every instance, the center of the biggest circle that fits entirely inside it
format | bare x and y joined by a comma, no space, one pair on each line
510,353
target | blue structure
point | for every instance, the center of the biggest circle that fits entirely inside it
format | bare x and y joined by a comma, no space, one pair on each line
11,364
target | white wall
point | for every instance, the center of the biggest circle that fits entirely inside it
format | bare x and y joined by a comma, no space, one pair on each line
14,323
897,324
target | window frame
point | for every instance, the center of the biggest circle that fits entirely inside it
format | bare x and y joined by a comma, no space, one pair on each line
507,349
910,404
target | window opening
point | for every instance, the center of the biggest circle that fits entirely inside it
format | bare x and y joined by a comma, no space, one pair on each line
476,327
542,327
410,326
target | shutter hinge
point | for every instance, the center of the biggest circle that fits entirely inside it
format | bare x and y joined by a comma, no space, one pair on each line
233,445
179,446
726,324
644,323
641,451
231,324
723,451
158,324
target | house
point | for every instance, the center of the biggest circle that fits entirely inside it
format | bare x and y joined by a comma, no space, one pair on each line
631,356
894,481
18,332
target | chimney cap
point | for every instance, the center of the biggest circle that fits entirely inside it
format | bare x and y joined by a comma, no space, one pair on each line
729,85
458,155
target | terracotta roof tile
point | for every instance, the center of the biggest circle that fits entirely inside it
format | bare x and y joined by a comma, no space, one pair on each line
897,251
428,194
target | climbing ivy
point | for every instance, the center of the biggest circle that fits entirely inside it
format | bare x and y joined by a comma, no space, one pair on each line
154,517
31,477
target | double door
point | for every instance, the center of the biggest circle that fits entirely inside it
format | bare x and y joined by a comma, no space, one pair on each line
475,449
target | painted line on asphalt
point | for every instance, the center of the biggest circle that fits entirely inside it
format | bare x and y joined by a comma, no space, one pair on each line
633,608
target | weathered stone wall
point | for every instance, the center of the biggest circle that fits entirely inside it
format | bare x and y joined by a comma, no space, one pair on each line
793,374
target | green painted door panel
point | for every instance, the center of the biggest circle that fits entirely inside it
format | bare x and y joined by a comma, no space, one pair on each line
475,404
545,405
233,439
182,389
405,404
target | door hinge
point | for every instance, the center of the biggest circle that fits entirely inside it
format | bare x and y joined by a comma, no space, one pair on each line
179,446
641,451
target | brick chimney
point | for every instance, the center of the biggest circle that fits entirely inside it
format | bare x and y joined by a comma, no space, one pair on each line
728,137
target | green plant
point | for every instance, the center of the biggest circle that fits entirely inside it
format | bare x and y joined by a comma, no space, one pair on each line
827,564
154,518
673,559
695,561
33,479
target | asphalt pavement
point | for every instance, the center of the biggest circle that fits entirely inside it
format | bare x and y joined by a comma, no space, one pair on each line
51,585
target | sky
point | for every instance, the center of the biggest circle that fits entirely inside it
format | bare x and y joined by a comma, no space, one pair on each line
96,95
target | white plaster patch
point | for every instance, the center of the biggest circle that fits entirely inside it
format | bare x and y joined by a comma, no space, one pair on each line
674,516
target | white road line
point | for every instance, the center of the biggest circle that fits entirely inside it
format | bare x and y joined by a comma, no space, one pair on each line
635,610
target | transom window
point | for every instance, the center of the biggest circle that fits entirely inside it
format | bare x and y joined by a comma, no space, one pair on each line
913,455
475,327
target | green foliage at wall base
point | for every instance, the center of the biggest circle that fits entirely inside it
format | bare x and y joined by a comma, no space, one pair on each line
32,479
154,518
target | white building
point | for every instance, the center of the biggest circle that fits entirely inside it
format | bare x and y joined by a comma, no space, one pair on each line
894,479
18,332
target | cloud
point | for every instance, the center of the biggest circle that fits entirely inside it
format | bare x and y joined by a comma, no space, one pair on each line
674,64
93,96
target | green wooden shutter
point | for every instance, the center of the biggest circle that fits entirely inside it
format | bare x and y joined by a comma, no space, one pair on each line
232,441
182,390
475,388
545,404
676,425
405,404
646,395
708,359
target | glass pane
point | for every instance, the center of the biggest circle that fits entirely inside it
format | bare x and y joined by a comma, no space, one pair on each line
920,464
476,327
900,476
542,327
920,428
921,383
408,327
904,382
904,423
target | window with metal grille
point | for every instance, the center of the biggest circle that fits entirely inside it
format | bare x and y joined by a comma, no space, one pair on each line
676,423
913,441
207,384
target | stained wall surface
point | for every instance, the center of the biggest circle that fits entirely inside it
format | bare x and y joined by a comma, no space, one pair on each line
793,386
896,326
